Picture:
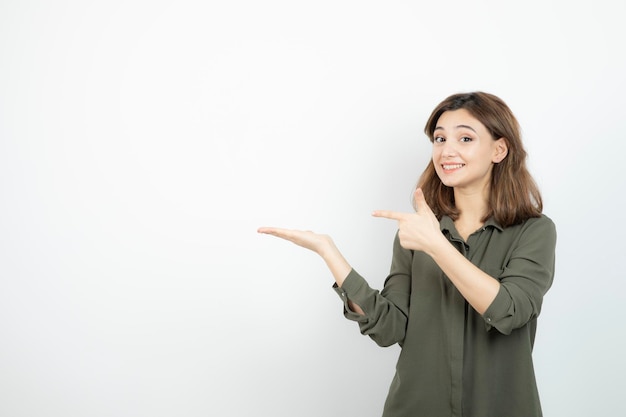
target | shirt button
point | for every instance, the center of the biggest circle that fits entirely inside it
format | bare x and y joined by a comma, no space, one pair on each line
489,319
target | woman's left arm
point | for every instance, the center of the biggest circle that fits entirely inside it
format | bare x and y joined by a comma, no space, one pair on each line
526,277
476,286
506,302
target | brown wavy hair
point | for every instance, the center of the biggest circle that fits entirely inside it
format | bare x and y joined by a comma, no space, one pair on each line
514,196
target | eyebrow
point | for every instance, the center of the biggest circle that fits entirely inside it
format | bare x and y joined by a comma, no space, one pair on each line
458,127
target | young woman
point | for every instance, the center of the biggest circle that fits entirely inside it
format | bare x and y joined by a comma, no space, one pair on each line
469,271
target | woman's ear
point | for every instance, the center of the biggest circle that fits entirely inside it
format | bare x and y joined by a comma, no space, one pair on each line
500,150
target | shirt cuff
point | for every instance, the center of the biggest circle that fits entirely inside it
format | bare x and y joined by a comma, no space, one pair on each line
352,285
498,311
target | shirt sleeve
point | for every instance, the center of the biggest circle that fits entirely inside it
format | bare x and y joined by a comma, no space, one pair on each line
387,311
525,279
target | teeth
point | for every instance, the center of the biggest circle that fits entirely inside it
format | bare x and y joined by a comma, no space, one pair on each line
457,166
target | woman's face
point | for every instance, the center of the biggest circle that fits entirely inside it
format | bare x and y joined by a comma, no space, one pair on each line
464,151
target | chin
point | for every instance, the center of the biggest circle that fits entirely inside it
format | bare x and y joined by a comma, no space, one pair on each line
447,182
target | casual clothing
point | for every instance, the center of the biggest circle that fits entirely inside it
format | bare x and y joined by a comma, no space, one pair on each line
454,361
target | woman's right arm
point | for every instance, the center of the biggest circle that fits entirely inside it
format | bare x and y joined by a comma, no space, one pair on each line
386,312
381,315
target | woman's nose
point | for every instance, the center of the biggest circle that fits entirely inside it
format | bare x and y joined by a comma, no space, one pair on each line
448,149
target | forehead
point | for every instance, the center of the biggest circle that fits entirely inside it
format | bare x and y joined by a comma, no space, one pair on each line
459,119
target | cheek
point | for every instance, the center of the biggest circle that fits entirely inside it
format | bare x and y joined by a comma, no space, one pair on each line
438,168
435,160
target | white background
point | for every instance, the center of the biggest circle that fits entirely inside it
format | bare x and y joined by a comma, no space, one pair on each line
142,143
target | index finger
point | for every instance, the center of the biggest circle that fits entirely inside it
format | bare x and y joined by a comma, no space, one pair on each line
388,214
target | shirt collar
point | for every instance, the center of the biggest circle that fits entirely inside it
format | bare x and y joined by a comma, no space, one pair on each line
447,224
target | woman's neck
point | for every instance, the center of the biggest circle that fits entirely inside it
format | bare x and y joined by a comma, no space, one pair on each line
472,208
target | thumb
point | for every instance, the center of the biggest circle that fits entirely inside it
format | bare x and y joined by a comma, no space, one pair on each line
420,201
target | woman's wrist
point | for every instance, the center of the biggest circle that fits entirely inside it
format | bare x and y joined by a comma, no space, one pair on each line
335,261
438,246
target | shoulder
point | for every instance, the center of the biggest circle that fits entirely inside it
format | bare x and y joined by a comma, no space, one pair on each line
541,222
536,229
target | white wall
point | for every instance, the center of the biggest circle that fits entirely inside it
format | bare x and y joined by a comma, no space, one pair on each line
143,142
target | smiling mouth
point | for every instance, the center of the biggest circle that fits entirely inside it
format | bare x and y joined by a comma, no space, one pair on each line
448,167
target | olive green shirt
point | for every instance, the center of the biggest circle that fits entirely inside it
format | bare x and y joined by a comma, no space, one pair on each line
454,361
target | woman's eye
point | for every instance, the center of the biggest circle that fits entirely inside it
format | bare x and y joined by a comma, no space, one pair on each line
466,139
439,139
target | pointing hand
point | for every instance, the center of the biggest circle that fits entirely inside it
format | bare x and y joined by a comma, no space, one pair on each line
416,231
